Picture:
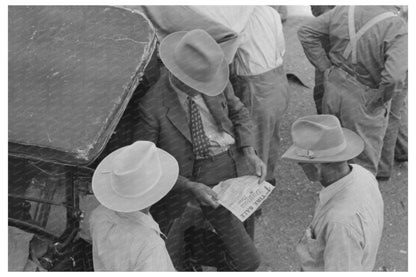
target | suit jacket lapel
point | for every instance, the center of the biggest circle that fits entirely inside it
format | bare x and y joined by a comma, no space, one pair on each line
216,106
175,113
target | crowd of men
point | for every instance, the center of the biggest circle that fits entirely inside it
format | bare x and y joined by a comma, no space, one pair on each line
209,118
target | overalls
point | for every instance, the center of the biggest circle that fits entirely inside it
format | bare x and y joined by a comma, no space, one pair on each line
349,100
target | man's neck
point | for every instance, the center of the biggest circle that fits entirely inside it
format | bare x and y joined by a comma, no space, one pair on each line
181,86
334,172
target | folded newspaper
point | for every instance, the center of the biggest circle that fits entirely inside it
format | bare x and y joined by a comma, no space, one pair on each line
242,195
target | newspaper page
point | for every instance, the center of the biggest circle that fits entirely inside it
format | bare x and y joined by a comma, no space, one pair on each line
242,195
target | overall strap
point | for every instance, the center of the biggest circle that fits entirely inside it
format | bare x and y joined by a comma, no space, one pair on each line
354,37
351,30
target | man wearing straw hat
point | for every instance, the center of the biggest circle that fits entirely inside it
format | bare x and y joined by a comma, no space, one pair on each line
126,183
345,232
193,114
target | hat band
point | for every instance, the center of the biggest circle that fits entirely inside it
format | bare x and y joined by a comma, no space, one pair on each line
320,153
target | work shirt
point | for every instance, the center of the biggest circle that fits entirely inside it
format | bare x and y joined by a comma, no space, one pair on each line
346,229
219,141
127,242
381,51
261,43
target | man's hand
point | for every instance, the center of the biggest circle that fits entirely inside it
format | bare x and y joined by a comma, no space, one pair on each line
373,106
204,194
256,163
327,72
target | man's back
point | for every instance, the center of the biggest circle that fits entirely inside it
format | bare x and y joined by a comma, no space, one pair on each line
381,51
127,242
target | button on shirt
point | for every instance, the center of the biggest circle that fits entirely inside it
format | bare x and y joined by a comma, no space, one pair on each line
219,141
127,242
346,229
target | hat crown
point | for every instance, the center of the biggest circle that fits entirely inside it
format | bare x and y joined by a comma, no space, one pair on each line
198,55
136,170
317,133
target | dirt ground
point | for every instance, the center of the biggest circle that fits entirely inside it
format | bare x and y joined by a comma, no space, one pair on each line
289,209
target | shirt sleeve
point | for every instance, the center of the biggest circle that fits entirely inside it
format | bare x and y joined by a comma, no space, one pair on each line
343,248
311,36
281,45
153,258
396,60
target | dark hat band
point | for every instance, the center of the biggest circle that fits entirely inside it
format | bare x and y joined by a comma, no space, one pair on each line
320,153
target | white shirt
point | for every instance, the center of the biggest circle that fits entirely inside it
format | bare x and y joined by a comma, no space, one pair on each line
346,229
261,44
127,242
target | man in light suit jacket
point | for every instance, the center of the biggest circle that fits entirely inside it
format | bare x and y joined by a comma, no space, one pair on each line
193,114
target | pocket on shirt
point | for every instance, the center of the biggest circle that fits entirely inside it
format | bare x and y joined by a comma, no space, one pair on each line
310,249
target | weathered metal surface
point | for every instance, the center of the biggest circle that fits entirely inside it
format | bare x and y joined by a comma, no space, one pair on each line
72,71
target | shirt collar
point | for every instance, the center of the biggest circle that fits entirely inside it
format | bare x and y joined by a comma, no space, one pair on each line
142,219
330,191
393,8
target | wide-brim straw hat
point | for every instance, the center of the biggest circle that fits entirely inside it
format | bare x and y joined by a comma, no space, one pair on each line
321,139
197,60
134,177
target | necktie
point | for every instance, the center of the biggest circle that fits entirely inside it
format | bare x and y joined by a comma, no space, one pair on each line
200,141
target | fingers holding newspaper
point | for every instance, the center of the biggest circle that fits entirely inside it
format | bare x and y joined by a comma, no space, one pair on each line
255,162
242,195
204,194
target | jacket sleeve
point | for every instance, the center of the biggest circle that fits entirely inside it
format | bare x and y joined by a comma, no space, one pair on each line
311,35
147,127
240,117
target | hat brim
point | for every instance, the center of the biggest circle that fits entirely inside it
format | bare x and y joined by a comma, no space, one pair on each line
355,145
107,197
213,88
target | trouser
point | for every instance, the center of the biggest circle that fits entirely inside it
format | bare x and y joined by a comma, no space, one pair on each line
266,96
241,253
391,137
239,246
318,90
349,100
401,150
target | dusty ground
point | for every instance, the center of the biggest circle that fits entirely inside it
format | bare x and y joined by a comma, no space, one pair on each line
290,208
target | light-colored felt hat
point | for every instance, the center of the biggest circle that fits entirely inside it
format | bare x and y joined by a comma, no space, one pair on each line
196,59
321,139
134,177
